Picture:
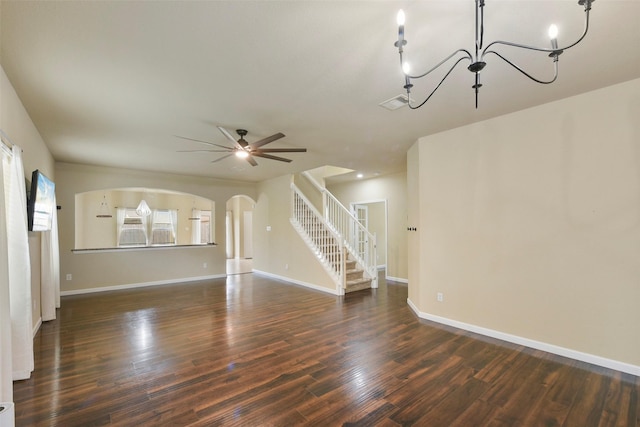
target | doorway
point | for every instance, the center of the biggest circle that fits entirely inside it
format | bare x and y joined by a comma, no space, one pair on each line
239,234
373,215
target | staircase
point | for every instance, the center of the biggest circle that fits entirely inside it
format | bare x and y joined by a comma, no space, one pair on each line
331,238
355,280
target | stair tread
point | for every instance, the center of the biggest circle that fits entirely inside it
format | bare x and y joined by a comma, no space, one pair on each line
357,281
357,285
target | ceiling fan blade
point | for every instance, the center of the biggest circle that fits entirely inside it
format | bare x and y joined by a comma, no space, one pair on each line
252,160
281,150
230,137
204,151
268,156
203,142
266,140
221,158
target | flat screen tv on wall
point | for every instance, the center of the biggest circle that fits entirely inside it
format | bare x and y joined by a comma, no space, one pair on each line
41,204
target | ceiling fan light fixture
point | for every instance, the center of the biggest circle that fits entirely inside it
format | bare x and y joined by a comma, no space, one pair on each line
245,150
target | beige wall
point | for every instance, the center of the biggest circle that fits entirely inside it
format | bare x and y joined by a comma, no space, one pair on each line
529,223
393,189
119,268
281,251
414,216
17,125
308,189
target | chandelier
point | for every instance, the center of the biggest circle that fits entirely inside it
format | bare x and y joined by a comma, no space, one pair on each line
477,61
143,208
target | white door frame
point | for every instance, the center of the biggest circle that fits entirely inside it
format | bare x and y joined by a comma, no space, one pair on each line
386,224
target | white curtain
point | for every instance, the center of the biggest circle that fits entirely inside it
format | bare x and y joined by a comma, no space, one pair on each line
195,227
6,370
120,213
174,225
56,256
19,267
49,270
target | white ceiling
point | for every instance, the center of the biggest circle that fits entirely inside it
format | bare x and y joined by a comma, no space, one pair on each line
111,82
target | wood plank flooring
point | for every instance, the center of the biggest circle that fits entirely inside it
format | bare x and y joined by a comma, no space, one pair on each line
252,351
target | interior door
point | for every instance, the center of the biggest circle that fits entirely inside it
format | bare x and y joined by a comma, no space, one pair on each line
361,212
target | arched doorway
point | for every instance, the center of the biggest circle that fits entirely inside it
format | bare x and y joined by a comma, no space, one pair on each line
239,234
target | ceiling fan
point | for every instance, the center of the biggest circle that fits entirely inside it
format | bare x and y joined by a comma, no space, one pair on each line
243,149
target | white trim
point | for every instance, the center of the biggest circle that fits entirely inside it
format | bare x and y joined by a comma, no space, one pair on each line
549,348
298,282
36,327
397,279
142,248
140,285
386,225
21,375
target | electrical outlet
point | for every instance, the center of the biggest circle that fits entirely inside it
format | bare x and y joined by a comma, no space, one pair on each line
440,296
286,266
69,276
204,265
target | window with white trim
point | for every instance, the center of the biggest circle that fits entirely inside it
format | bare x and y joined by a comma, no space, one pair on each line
163,226
132,228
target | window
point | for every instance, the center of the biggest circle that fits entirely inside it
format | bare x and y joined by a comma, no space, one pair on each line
132,228
201,228
163,226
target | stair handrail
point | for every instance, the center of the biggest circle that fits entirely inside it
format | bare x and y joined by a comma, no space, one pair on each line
335,267
348,226
344,223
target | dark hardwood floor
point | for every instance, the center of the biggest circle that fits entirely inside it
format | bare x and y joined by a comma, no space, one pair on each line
254,351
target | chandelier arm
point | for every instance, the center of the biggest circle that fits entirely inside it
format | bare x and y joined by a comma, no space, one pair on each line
436,88
544,82
540,49
468,56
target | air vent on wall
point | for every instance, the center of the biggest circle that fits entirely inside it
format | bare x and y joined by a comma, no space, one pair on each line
395,102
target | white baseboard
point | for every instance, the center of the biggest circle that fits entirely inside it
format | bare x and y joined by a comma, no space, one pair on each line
21,375
298,282
140,285
36,327
397,279
549,348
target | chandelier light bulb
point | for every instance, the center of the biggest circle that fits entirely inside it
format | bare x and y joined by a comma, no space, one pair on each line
553,32
400,18
406,68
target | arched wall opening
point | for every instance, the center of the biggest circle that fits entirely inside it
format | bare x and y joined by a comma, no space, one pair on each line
105,219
